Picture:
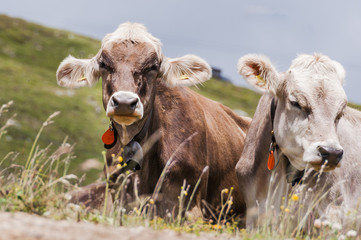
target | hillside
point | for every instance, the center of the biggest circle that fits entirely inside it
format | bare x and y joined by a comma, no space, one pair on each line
29,57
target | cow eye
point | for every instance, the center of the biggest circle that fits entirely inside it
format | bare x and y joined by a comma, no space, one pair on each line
338,117
105,66
295,104
152,68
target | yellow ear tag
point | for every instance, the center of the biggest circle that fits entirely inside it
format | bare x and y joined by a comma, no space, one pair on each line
81,79
259,77
184,77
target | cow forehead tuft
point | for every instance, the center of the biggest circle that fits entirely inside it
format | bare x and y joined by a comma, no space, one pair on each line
313,64
132,32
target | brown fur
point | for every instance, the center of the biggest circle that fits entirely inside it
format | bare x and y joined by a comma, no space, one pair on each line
177,114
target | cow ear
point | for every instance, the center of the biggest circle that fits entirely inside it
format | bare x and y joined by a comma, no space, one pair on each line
259,72
74,73
341,73
185,71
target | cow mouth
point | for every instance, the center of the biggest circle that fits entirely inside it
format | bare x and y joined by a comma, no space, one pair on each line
326,167
124,119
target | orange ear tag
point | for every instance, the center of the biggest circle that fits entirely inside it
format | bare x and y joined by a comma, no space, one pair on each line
271,161
108,137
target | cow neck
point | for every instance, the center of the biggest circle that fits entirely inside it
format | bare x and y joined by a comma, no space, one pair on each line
132,153
143,132
273,146
293,175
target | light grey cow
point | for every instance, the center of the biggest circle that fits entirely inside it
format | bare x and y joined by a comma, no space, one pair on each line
313,129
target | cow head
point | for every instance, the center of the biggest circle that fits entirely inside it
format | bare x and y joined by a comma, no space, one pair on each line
310,102
131,64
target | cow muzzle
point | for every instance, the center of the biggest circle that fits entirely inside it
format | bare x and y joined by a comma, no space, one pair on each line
124,108
326,156
331,158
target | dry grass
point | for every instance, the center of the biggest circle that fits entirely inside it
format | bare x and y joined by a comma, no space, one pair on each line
42,185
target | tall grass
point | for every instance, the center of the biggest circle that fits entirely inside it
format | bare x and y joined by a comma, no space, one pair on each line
43,186
310,209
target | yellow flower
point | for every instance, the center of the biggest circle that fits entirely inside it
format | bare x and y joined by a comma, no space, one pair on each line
216,226
151,201
230,202
119,166
120,159
287,210
185,193
113,155
225,191
294,197
282,207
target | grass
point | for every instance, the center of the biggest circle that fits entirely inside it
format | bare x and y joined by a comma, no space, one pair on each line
38,161
42,186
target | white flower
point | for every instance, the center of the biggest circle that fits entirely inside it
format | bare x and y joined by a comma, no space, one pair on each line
326,223
336,226
351,233
68,196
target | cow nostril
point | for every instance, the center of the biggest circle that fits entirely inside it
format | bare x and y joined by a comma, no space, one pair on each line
332,155
133,104
115,102
340,154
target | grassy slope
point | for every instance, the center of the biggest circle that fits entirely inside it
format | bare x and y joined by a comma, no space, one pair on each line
29,57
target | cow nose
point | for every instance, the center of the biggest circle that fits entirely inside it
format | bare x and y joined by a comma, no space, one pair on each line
124,105
332,155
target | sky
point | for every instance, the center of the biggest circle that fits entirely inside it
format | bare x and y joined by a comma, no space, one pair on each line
220,31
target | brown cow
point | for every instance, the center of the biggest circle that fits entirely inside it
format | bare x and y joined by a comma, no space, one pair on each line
306,109
143,92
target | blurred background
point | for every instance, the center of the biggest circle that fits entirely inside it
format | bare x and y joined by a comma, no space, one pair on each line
36,35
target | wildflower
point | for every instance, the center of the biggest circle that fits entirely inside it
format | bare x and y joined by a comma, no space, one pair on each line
294,197
342,237
120,159
287,210
113,155
326,223
317,223
68,196
185,193
216,226
136,210
225,191
119,166
151,201
351,233
336,226
230,202
282,207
